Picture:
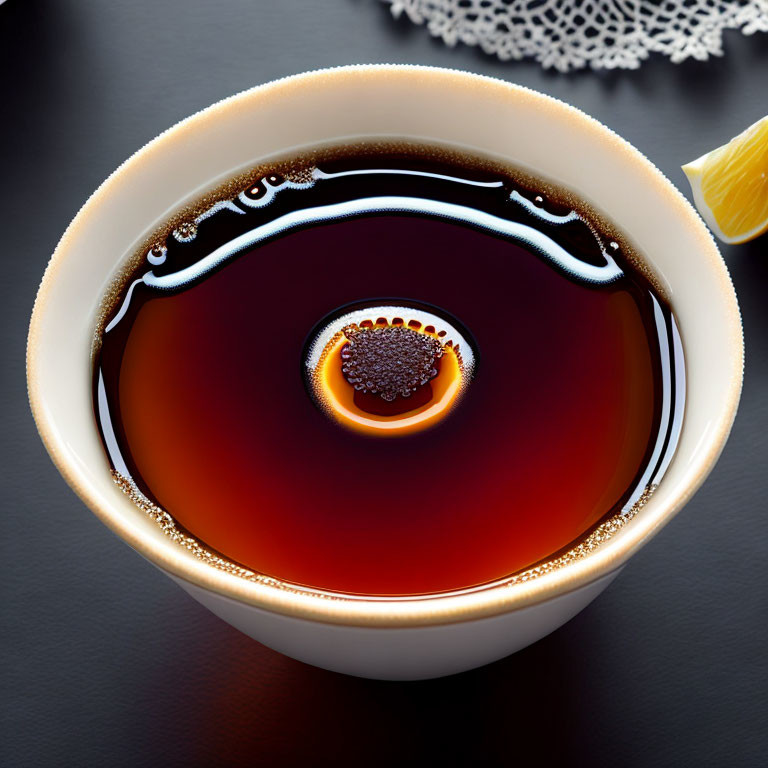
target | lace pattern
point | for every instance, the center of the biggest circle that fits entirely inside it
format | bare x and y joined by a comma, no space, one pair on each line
602,34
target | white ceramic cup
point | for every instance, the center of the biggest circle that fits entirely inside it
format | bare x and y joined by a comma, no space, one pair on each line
408,638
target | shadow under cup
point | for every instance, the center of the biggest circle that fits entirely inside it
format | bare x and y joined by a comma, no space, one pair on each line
398,637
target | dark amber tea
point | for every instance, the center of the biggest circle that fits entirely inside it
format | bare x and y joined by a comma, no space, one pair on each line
389,372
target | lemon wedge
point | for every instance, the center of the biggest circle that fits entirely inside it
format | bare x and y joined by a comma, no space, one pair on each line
730,185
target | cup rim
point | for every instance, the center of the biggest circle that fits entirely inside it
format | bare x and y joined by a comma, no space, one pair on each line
440,608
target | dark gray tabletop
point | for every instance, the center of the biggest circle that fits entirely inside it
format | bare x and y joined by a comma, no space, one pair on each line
106,662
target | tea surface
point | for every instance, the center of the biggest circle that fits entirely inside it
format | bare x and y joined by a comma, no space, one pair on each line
565,395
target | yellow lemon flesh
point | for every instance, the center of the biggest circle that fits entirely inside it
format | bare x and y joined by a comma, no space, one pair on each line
730,185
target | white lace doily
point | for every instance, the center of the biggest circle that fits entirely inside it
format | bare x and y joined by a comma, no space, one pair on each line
571,34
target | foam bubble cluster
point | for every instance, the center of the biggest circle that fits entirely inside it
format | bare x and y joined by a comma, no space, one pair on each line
389,361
